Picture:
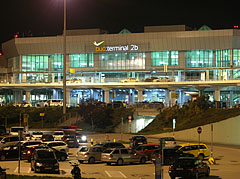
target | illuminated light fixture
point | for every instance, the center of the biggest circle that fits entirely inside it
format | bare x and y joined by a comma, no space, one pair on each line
1,54
235,27
16,36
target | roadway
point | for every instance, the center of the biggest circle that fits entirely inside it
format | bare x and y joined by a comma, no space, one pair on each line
228,164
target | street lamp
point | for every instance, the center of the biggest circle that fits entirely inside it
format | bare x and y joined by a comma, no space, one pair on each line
64,59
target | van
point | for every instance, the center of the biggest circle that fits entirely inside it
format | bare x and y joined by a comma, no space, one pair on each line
14,130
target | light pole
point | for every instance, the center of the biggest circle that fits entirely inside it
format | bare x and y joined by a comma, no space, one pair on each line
64,58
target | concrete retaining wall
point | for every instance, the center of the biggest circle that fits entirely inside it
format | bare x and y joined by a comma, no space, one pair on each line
224,132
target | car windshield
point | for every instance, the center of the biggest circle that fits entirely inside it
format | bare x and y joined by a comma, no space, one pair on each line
37,133
45,154
84,149
58,133
184,163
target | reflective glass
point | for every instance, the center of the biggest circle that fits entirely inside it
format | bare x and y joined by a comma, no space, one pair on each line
222,58
165,58
81,60
199,58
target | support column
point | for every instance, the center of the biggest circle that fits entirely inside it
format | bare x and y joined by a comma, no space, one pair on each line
207,75
17,97
140,94
28,95
167,101
106,95
217,94
68,91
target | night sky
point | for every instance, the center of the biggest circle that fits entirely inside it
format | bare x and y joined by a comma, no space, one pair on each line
45,17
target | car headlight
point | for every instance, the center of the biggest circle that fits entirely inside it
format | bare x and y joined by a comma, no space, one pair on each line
84,138
38,164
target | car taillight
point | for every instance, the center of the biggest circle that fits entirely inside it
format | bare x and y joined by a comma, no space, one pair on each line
86,153
174,142
171,168
28,152
65,140
110,155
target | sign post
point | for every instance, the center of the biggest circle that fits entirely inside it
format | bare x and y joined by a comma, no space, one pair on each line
42,115
199,130
158,167
174,125
130,123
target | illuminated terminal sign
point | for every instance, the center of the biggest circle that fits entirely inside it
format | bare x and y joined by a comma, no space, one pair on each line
114,48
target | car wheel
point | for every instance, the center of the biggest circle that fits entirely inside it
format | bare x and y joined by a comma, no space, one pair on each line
108,163
91,160
120,162
208,172
143,160
3,157
62,158
80,161
200,156
196,175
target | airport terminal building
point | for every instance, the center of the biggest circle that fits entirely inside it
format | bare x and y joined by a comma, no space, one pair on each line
202,61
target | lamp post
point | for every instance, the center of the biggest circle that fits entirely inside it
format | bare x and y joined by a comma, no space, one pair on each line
64,59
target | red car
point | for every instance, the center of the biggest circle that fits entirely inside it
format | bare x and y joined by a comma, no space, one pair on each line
147,149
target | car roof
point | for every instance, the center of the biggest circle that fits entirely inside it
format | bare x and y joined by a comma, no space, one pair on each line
190,144
149,144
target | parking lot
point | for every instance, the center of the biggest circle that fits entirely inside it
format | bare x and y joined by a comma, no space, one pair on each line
228,162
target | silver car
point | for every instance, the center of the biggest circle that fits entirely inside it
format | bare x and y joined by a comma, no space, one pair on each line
121,156
89,154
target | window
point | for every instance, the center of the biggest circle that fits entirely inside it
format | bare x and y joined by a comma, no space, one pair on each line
165,58
81,60
199,58
84,149
116,152
35,63
222,58
124,151
122,61
236,57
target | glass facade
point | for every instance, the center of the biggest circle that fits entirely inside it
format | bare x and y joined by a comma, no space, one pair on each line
122,61
222,58
56,62
236,57
81,60
199,58
34,63
165,58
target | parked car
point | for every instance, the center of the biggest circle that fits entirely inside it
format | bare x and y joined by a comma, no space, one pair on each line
55,102
109,144
58,135
71,140
14,130
89,154
58,145
44,160
26,153
168,141
137,140
23,104
47,137
129,80
121,156
170,155
41,104
150,79
9,152
81,138
8,140
200,151
188,167
166,79
30,143
147,149
36,135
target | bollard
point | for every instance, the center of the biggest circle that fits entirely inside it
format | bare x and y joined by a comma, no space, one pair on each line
211,161
91,141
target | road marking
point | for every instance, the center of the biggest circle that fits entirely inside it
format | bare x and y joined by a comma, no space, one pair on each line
115,174
108,174
123,175
16,170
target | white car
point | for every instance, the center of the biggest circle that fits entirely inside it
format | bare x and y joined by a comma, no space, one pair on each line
41,104
58,135
36,135
23,104
58,145
129,80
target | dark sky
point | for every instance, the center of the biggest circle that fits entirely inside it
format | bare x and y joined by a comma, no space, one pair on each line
41,17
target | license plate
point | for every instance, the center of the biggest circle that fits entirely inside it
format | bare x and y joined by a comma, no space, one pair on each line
179,168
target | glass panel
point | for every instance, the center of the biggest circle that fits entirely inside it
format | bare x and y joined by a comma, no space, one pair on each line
81,60
199,58
165,58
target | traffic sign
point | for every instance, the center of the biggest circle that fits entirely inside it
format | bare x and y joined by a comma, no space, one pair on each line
199,130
